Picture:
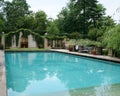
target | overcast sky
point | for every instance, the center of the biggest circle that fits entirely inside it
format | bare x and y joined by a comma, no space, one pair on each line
53,7
112,8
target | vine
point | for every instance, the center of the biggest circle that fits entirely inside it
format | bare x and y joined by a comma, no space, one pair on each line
25,33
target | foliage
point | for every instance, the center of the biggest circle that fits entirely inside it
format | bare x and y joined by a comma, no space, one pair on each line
14,13
71,42
93,33
79,15
74,35
84,42
83,20
2,23
29,21
105,52
17,16
25,33
52,28
112,38
105,25
2,20
52,31
40,22
1,4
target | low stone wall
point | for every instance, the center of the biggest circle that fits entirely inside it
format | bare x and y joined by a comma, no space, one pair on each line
3,90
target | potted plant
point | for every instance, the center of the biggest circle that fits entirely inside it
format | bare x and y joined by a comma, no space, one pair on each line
94,51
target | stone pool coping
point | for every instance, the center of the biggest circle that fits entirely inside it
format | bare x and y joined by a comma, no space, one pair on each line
101,57
3,89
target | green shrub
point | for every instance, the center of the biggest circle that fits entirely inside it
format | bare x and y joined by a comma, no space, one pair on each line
105,52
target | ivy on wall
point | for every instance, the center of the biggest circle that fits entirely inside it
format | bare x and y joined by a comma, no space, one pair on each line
25,33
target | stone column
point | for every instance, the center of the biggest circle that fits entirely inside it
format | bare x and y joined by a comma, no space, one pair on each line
14,42
64,43
53,43
45,42
3,40
110,52
64,40
19,42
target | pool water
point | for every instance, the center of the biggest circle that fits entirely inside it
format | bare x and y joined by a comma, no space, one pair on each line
45,73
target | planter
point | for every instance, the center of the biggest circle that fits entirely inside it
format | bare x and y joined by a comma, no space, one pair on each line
71,48
99,50
94,52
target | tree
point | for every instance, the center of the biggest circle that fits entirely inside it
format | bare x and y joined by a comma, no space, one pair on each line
1,3
62,16
29,21
2,20
14,13
2,23
52,28
112,38
96,33
40,22
79,15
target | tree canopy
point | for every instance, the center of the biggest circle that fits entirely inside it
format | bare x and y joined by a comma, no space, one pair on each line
80,19
15,12
80,16
112,38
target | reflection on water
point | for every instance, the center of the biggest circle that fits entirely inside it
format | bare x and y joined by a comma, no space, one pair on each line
40,74
40,87
103,90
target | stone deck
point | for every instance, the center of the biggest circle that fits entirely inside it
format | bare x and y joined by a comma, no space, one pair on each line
3,90
108,58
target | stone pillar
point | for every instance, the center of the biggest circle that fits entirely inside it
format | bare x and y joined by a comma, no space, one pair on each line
110,52
64,40
56,45
64,43
45,42
19,42
14,42
53,43
31,42
3,40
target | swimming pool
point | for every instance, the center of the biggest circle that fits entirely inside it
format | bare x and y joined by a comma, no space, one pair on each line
51,73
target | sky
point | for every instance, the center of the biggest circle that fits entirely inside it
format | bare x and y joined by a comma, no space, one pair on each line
112,8
53,7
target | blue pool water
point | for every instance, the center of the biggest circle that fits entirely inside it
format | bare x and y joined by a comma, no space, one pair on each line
35,73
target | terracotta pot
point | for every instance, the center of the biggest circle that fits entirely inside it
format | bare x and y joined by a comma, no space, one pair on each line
94,52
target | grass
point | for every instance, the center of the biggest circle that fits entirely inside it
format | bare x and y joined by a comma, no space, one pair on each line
26,49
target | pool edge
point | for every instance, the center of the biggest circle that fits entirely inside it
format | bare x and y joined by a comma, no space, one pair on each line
100,57
3,87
